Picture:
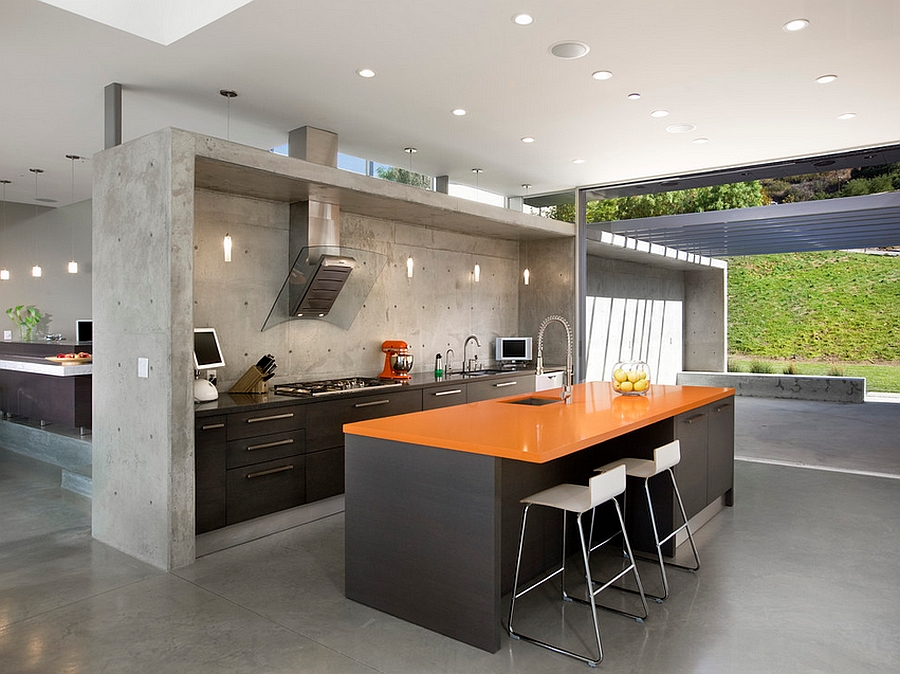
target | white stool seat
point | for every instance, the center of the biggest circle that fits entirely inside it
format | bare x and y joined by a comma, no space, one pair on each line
664,459
577,499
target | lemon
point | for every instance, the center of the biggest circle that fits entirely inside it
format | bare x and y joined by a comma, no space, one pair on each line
617,386
620,375
633,376
641,385
642,375
626,386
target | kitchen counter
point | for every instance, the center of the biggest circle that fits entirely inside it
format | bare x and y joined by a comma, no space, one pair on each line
539,433
432,502
34,365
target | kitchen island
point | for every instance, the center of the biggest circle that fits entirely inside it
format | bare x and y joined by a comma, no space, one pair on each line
46,391
432,498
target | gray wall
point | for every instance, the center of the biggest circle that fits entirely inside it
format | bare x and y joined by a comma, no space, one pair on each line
45,236
435,310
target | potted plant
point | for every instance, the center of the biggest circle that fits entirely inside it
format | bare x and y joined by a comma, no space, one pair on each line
26,318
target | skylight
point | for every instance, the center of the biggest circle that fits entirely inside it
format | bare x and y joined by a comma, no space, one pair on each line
162,21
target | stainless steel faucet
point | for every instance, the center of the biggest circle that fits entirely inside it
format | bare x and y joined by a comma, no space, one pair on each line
470,338
566,392
447,362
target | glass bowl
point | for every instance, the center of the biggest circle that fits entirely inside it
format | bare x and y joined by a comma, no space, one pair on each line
631,378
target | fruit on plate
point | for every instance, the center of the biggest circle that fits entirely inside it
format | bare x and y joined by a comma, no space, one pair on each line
80,354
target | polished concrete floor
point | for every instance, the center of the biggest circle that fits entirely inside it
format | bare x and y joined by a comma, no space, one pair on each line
802,575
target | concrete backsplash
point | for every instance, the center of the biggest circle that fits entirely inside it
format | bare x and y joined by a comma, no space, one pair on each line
433,311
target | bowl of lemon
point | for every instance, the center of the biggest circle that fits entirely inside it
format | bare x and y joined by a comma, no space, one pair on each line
631,378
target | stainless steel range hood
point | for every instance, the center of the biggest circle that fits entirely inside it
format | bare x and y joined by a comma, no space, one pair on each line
326,281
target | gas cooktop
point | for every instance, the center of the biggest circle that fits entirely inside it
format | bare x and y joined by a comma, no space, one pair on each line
331,386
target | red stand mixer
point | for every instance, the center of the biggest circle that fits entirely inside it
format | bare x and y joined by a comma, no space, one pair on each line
398,361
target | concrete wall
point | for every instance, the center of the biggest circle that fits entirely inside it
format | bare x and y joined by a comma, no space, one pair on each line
45,236
634,312
551,291
143,472
706,320
433,311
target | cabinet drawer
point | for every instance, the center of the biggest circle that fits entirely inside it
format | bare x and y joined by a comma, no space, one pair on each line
499,387
265,488
326,419
691,429
247,451
444,396
264,422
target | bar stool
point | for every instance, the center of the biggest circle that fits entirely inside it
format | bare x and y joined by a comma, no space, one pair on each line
664,458
579,500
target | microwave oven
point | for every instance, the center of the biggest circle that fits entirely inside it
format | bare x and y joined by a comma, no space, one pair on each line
513,349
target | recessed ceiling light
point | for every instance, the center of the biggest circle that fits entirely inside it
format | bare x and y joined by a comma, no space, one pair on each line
659,113
523,19
633,96
680,128
795,24
365,72
847,115
701,140
579,161
528,139
569,49
601,75
826,79
459,112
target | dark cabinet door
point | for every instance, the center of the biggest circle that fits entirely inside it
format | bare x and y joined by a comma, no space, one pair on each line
247,451
209,471
692,428
500,387
263,422
720,458
265,488
324,474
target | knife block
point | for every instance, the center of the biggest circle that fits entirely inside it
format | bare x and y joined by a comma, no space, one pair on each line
250,382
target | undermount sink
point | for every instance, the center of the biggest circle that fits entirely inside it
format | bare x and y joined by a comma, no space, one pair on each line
533,401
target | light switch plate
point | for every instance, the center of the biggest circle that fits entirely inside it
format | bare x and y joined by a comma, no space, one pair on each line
7,335
143,368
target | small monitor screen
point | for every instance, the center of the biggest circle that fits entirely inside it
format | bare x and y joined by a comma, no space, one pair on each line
84,330
513,348
207,353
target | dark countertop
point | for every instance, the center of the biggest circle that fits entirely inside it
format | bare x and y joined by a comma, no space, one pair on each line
248,402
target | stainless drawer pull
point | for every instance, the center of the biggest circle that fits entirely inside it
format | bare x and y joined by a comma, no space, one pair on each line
211,427
696,417
448,393
271,471
266,445
723,407
505,383
274,417
373,403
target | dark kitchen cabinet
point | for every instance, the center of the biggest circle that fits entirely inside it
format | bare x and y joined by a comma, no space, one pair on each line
692,429
209,473
264,488
325,434
444,396
720,453
498,387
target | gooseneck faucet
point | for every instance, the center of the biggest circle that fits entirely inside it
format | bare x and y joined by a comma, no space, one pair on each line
566,392
470,338
447,361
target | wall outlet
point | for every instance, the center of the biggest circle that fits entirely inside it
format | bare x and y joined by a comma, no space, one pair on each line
143,367
7,335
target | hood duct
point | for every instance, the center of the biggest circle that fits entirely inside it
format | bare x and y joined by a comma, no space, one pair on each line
326,281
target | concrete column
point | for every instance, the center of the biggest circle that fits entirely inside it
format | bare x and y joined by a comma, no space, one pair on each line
705,320
143,466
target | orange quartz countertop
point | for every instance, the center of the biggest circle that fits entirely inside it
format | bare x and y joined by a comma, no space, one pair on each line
539,433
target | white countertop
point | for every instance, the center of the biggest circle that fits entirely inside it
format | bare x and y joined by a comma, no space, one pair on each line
42,366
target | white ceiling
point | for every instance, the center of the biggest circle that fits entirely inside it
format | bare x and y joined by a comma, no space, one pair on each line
727,67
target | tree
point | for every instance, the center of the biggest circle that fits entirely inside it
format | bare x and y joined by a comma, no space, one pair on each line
400,175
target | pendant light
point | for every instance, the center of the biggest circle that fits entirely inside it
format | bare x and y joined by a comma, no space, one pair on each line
228,94
36,270
526,275
73,265
227,244
4,272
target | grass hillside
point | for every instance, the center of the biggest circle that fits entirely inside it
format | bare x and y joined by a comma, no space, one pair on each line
831,306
